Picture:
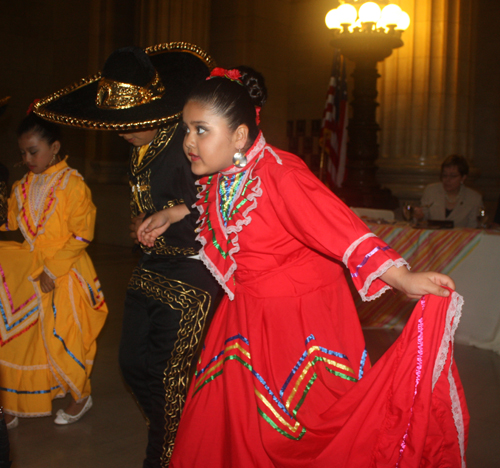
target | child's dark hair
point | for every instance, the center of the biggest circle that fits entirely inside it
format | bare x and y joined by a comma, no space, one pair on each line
48,131
231,100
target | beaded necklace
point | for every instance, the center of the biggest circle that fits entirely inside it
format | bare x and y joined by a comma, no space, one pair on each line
229,186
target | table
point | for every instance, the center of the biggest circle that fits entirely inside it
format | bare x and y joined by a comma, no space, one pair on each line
478,282
469,256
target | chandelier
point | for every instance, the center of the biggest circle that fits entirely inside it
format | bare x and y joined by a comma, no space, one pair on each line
366,34
368,17
365,27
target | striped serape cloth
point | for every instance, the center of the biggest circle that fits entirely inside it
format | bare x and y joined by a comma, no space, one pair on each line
423,249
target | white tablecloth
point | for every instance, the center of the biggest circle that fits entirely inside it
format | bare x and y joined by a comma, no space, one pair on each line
469,256
477,280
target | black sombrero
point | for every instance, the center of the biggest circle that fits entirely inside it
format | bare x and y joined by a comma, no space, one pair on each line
136,89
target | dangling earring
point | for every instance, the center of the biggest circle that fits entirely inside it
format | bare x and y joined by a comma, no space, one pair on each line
52,160
239,159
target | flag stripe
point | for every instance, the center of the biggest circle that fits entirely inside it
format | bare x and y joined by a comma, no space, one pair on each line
333,136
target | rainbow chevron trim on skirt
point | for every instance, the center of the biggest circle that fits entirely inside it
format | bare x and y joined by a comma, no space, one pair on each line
15,319
280,410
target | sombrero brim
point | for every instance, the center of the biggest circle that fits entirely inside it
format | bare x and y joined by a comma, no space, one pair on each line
180,65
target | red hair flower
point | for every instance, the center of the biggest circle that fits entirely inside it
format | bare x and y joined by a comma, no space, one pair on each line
233,75
32,105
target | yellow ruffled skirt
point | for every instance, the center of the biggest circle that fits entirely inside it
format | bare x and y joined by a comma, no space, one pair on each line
47,341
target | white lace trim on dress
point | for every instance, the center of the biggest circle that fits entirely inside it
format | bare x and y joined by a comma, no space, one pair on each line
49,273
377,274
41,184
55,369
353,246
458,417
24,368
238,226
453,315
373,276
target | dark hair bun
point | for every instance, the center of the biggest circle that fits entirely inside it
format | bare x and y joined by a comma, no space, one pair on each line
47,130
255,84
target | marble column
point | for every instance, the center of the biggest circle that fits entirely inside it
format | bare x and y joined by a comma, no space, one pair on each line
172,21
426,96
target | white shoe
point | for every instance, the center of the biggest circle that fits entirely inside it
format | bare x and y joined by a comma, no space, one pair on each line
14,423
64,418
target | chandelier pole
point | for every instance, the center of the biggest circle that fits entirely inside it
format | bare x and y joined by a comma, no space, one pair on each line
364,37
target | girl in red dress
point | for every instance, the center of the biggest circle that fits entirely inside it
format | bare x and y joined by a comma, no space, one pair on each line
284,379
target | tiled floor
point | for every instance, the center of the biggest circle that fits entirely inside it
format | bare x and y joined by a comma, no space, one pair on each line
113,433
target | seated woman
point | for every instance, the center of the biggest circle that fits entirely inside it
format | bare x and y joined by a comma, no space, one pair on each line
450,199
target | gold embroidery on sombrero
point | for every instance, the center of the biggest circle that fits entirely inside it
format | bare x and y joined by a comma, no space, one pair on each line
112,94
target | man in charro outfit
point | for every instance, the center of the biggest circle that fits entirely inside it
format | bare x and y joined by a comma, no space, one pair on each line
170,297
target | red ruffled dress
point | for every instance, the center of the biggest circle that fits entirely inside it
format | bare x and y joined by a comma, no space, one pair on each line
284,379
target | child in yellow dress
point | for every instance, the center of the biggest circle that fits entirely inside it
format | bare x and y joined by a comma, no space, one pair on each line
51,304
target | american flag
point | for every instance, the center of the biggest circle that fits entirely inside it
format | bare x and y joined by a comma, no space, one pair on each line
333,136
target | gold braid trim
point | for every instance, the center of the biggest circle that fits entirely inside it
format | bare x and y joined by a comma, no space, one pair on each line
112,94
41,110
182,47
160,141
194,303
141,200
140,194
175,202
176,374
162,248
